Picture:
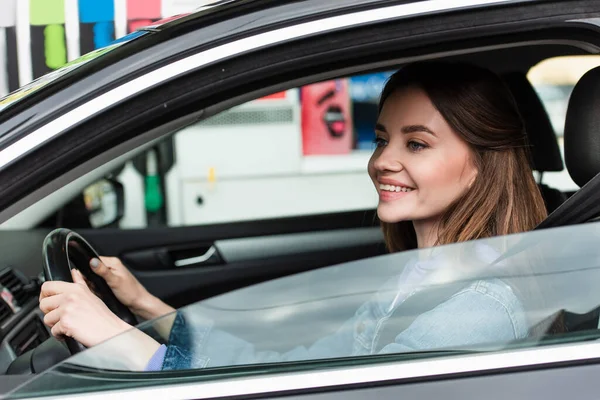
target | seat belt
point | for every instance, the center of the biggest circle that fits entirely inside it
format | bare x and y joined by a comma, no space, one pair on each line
582,206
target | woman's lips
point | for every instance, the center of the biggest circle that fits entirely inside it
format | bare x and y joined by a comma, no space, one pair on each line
386,195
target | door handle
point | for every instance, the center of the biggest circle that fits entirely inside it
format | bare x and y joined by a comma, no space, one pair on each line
204,258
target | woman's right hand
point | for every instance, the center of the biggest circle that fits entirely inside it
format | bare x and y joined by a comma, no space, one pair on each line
73,310
128,289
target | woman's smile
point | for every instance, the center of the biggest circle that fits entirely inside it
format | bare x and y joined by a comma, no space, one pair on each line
391,190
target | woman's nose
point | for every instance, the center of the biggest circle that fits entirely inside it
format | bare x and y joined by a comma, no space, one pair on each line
388,160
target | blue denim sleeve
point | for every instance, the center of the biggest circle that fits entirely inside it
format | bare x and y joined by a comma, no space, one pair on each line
194,344
486,313
156,362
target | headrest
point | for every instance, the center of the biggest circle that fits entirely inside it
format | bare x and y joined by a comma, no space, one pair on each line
582,129
542,138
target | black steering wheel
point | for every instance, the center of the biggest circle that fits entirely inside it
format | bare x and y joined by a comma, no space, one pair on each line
64,250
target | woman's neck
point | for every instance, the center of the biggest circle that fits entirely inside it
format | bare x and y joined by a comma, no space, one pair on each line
427,232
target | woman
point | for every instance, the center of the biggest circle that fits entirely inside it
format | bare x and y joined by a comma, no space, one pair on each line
451,164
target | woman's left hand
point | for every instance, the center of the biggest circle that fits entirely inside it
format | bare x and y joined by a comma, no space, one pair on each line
71,309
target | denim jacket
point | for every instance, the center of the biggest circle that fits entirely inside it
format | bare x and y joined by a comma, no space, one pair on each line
483,312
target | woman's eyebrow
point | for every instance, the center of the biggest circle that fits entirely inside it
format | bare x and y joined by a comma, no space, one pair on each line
380,127
417,128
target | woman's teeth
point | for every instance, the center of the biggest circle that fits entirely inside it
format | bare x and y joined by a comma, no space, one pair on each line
392,188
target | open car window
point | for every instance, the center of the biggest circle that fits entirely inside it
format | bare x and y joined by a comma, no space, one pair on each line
552,273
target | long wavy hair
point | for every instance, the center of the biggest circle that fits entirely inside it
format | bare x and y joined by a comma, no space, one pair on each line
504,198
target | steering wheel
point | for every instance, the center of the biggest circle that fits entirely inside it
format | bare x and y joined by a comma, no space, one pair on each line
64,250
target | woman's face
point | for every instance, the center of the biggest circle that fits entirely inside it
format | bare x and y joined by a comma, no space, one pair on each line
420,165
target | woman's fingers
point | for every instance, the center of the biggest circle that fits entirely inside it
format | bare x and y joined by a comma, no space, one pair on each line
52,317
48,304
99,266
51,288
57,331
72,310
79,278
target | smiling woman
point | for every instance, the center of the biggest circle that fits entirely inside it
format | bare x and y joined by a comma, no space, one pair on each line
452,161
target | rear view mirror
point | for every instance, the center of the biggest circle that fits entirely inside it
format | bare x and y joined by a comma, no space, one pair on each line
105,202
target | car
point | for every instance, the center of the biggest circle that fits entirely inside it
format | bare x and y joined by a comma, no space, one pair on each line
222,156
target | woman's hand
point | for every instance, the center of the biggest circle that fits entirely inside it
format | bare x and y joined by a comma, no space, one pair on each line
128,289
71,309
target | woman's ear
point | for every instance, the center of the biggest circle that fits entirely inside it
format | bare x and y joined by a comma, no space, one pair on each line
473,177
472,181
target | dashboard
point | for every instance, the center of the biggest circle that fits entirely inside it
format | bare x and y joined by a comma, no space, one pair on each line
21,325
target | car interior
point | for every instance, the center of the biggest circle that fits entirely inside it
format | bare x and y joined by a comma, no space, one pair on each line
308,242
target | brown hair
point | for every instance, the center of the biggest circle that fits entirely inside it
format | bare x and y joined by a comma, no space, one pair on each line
504,198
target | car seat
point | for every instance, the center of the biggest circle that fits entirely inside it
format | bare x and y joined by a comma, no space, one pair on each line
582,154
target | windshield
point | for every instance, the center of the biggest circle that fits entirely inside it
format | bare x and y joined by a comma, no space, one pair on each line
543,282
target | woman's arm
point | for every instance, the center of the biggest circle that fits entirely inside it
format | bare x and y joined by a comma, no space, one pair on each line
195,343
152,307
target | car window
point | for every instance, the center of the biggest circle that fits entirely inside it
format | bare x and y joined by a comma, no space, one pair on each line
294,152
544,293
307,144
554,80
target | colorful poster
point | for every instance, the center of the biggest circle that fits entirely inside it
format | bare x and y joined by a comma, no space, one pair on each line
48,38
97,24
142,13
143,9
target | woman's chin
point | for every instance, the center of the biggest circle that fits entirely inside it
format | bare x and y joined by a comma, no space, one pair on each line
391,217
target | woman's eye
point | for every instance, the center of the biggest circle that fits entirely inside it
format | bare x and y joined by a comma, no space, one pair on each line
380,142
416,146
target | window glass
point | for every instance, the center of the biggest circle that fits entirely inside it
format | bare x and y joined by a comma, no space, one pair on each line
489,295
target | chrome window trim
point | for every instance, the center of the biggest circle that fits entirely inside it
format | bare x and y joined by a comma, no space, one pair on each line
332,377
153,78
